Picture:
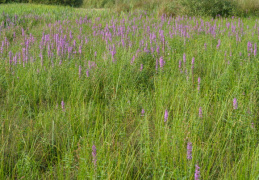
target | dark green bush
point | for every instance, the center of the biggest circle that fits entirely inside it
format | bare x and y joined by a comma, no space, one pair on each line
210,7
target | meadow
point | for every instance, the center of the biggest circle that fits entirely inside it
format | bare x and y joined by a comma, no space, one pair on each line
96,94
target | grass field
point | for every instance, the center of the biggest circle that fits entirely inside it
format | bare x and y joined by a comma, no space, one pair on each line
88,94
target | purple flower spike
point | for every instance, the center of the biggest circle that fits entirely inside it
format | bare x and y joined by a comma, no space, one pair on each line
132,60
166,115
189,151
218,45
94,155
63,105
199,83
197,172
79,71
184,58
200,112
161,62
235,103
142,112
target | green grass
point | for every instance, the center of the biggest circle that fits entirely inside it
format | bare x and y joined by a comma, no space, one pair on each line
40,140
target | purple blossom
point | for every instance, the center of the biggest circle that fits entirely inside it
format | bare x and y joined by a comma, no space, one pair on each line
79,71
189,151
199,82
166,115
94,155
184,58
141,67
197,172
133,59
142,112
161,62
235,103
200,112
87,73
218,45
63,105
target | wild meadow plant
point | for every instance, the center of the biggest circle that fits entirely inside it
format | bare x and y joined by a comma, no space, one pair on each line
68,79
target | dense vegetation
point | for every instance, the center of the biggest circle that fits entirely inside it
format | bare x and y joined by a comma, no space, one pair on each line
169,7
93,94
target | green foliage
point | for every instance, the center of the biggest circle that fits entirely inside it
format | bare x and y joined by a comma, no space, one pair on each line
209,7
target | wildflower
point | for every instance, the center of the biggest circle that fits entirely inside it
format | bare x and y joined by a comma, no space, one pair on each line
200,112
141,67
166,115
199,82
161,62
132,60
189,150
142,112
235,103
218,45
180,64
197,172
94,155
79,71
63,105
184,58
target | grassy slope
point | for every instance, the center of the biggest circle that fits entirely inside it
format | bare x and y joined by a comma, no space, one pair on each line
39,139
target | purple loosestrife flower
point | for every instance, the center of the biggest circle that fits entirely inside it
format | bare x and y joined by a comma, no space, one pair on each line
200,112
10,57
218,45
161,62
87,73
94,155
255,49
184,58
141,67
197,172
79,71
142,112
235,103
189,151
166,115
199,83
63,105
132,60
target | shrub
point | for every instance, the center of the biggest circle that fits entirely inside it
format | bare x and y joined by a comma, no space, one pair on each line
209,7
